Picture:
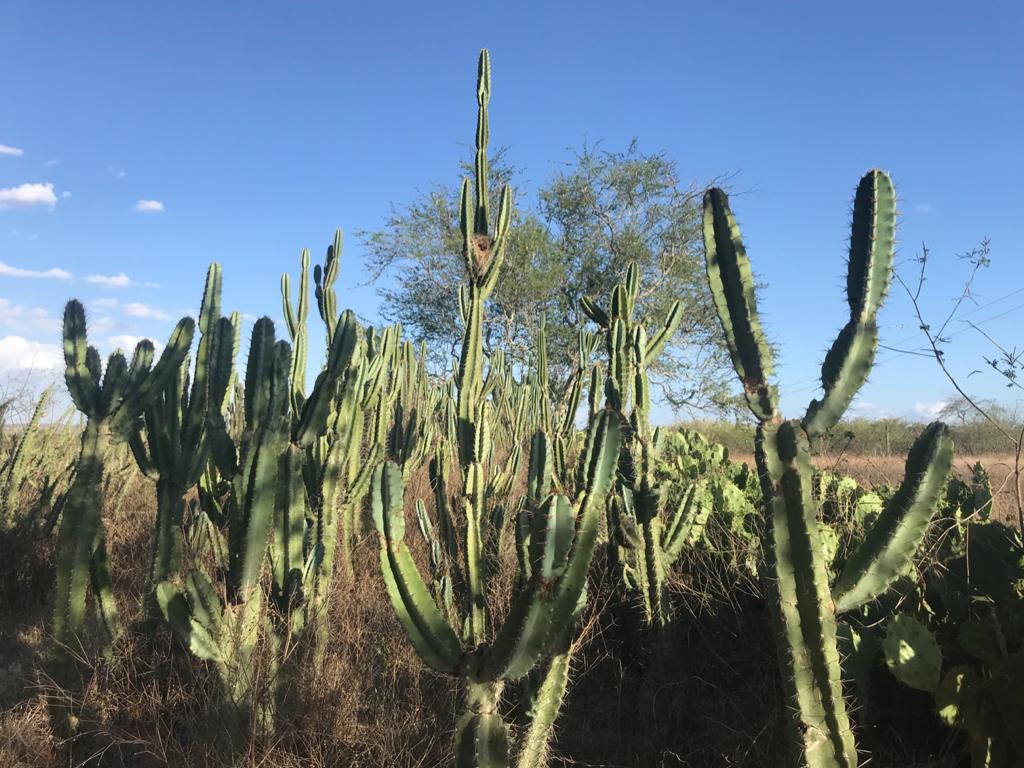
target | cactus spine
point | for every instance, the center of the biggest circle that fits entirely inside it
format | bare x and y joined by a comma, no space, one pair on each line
804,607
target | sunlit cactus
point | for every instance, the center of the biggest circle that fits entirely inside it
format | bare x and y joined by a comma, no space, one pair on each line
804,606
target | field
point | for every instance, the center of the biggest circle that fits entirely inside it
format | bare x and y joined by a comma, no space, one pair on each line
871,470
704,694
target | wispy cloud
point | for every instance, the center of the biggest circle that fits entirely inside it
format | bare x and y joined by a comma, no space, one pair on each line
5,150
65,195
32,236
28,195
53,162
924,208
104,303
19,354
149,206
120,280
56,274
117,173
138,309
20,318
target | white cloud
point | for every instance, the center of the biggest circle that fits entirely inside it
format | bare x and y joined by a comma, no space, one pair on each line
53,162
28,195
149,206
117,173
924,208
101,324
5,150
104,302
19,354
20,317
138,309
65,195
7,270
126,342
120,280
930,410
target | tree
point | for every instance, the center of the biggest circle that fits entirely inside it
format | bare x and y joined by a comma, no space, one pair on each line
601,211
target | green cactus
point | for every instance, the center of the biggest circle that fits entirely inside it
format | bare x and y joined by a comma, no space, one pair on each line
804,606
644,531
111,401
562,534
176,444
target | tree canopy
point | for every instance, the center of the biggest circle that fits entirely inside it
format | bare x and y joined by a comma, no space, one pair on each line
600,211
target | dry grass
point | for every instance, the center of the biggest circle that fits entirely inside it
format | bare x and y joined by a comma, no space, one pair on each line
705,694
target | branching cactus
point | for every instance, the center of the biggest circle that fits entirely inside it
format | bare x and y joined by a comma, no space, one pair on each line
175,446
562,532
643,531
111,401
218,618
804,607
558,552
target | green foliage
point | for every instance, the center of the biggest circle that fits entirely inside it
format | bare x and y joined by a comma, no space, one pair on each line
605,211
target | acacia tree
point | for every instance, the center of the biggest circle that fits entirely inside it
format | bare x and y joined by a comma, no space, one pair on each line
596,214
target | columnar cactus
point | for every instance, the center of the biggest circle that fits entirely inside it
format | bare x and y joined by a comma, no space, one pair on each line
562,533
639,520
176,444
111,401
804,607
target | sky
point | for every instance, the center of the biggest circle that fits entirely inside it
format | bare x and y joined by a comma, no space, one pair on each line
141,141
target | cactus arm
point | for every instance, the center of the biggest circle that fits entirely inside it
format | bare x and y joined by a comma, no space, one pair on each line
81,379
658,340
316,408
598,473
419,615
892,540
804,617
547,703
732,289
143,388
195,417
848,362
872,241
846,368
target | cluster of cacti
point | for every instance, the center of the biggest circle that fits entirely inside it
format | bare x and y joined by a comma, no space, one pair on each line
646,535
260,479
805,607
556,548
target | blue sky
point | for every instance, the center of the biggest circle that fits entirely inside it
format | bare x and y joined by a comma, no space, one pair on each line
177,134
